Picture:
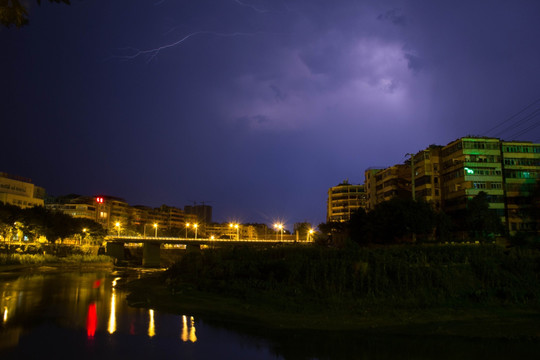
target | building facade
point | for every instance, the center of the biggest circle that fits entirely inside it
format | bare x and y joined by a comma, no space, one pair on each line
343,200
426,183
448,176
521,171
20,191
385,184
471,165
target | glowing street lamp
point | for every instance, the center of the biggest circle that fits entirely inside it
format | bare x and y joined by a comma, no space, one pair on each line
237,227
84,232
310,234
117,226
187,225
155,228
195,226
279,226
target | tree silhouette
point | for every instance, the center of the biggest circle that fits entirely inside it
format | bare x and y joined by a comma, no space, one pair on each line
12,12
481,221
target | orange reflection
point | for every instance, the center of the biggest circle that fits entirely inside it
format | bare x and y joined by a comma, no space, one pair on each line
91,320
192,336
151,324
112,317
188,332
184,335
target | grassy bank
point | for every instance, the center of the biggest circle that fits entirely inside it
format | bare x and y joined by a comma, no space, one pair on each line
15,261
353,288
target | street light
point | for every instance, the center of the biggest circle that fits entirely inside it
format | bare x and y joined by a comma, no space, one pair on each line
155,227
195,226
187,225
237,227
309,234
84,232
279,226
117,226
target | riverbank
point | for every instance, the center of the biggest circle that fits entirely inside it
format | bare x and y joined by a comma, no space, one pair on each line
471,292
505,322
41,262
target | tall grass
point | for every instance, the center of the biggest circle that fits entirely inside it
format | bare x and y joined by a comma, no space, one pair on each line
416,275
30,259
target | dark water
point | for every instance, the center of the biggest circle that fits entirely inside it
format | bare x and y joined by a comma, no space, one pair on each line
85,315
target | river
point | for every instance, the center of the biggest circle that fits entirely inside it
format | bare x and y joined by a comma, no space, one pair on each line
52,314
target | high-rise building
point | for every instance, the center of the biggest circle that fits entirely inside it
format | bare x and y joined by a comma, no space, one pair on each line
20,191
427,182
75,206
385,184
448,176
343,200
470,165
521,171
203,212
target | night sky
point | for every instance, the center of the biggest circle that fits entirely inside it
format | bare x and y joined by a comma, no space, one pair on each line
255,107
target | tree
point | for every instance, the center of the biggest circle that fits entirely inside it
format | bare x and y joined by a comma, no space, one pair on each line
358,227
12,12
398,219
331,233
481,221
37,221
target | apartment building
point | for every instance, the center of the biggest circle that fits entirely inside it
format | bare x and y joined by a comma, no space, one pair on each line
470,165
385,184
521,171
426,180
203,212
75,206
20,191
448,176
343,200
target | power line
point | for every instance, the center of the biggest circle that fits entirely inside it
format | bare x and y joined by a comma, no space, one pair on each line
520,122
513,116
531,127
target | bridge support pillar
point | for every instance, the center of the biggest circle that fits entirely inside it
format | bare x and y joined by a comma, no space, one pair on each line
151,256
191,248
115,250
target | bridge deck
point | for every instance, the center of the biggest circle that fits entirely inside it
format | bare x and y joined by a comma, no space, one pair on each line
198,241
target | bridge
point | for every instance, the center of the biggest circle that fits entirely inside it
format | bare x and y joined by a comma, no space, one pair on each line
152,245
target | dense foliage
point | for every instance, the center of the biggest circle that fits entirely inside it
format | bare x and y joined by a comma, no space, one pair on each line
15,12
36,222
418,276
39,259
402,220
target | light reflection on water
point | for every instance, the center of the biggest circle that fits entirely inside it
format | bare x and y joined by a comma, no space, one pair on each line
88,312
63,314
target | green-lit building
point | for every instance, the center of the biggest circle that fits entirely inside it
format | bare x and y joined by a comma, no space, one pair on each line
521,170
468,166
448,176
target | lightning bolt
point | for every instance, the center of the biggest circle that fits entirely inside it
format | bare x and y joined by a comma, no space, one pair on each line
152,53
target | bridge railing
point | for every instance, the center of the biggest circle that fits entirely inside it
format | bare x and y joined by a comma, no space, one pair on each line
207,240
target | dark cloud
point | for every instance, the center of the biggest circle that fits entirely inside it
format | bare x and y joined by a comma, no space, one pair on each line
395,16
414,62
262,111
280,96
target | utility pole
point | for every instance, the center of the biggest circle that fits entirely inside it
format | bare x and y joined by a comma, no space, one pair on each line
413,190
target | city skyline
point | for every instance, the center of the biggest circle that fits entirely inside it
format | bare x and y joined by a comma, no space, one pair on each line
256,108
